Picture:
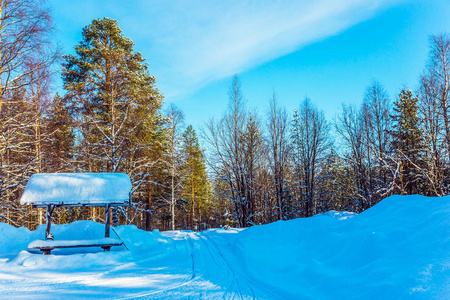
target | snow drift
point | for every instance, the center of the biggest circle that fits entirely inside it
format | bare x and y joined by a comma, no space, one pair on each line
400,248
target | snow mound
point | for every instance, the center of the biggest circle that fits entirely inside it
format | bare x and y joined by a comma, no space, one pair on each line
397,249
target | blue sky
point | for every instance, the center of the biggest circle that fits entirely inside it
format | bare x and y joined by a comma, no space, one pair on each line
327,50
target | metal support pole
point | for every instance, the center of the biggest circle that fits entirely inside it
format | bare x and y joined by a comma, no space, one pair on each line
49,220
107,219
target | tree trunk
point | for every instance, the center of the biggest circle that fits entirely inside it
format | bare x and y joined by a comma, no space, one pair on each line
148,219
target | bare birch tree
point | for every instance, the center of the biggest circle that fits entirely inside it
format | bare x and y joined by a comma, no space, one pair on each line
438,72
27,52
350,127
25,35
227,159
311,141
279,148
377,126
434,110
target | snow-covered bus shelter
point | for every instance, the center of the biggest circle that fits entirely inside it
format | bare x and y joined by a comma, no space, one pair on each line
53,190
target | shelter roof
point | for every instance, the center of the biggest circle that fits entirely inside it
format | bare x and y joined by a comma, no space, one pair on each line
77,189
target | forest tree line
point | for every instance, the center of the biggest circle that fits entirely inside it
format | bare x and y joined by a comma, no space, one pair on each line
251,168
288,165
109,117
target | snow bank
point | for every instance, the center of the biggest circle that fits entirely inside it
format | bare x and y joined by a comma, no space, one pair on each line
77,189
13,240
400,248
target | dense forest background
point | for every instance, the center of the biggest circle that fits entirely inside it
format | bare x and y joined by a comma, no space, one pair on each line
250,169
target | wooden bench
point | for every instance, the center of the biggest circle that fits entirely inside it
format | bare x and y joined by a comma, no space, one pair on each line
46,246
51,190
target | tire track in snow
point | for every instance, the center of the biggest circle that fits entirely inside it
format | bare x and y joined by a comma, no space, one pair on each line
230,271
208,259
240,273
167,291
191,247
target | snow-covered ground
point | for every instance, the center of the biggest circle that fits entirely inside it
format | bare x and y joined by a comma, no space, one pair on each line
398,249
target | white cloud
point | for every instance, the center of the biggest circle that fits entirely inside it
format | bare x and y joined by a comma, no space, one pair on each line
190,43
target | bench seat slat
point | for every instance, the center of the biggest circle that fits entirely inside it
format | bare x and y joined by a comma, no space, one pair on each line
50,245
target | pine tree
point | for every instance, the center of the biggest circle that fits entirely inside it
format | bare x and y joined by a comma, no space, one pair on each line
408,143
58,147
115,101
196,186
252,148
340,192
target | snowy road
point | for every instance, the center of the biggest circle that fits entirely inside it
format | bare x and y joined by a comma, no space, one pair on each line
213,274
190,265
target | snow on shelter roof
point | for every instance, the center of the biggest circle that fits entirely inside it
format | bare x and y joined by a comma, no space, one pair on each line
77,189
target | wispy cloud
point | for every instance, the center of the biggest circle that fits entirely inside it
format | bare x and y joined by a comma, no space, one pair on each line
191,43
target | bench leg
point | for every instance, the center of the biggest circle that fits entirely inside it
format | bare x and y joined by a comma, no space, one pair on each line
46,251
106,248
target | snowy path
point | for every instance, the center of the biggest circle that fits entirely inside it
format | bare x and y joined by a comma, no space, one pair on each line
212,275
192,265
